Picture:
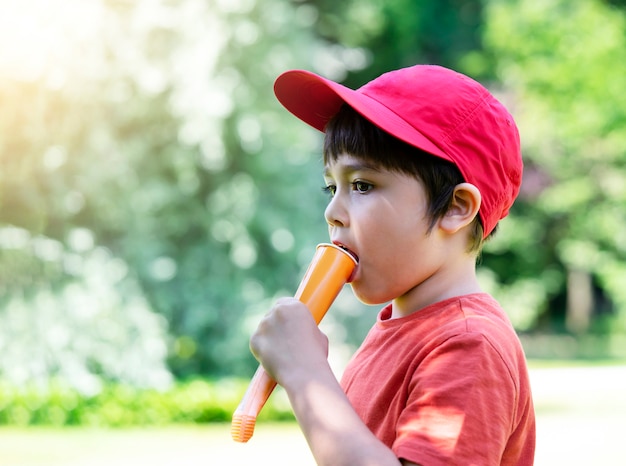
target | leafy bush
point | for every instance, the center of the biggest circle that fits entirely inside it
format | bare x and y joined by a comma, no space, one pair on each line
117,405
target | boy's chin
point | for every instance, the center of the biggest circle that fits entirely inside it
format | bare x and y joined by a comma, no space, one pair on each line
366,297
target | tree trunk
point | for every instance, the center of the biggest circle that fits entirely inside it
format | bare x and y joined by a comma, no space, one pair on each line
579,301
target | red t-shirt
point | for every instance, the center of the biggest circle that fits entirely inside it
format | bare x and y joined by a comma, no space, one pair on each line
447,384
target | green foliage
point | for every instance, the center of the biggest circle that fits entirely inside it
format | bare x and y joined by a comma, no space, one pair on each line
155,198
401,32
164,145
120,405
564,67
77,318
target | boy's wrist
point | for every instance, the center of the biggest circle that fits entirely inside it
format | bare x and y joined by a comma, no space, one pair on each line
300,377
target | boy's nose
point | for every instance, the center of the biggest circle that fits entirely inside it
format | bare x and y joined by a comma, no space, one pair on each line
335,213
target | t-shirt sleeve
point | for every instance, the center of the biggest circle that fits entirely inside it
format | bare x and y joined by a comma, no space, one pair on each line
461,405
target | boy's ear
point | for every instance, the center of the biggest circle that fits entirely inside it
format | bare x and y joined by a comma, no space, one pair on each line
463,209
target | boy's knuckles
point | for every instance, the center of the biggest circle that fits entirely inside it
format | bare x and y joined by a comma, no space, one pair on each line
254,345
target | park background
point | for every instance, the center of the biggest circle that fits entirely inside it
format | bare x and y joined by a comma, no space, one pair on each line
155,199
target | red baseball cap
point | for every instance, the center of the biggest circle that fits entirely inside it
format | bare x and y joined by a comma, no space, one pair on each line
440,111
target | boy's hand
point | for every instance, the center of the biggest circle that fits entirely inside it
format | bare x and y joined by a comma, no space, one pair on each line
288,342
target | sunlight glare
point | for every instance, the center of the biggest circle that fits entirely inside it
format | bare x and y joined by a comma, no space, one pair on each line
39,38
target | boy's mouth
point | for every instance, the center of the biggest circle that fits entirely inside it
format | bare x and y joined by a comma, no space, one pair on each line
345,248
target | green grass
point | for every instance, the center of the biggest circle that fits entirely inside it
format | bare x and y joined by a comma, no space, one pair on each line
558,363
189,445
581,420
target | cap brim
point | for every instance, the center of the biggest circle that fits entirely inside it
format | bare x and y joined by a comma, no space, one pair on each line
315,100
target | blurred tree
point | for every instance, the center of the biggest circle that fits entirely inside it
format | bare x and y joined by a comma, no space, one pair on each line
151,129
141,149
79,114
564,65
399,33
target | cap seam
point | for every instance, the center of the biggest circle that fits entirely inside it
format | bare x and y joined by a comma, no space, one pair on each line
469,116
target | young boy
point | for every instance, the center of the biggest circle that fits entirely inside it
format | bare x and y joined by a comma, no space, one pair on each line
420,164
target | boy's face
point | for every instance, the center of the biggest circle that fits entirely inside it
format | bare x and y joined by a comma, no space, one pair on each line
381,217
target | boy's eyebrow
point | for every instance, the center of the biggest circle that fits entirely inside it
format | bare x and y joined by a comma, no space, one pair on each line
352,167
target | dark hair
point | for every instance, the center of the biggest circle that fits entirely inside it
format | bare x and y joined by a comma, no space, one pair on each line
349,132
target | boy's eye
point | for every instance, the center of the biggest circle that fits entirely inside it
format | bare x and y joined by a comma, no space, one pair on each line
361,186
330,189
358,186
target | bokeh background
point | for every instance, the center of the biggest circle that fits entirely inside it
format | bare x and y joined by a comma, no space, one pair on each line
155,198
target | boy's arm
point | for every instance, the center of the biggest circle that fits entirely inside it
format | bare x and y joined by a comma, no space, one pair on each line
334,432
294,352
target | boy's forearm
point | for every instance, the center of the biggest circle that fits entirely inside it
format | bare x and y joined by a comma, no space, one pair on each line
335,433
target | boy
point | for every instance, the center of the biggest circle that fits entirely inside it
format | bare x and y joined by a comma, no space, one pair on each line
420,164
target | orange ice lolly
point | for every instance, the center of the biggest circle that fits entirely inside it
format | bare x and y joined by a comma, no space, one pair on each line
330,269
